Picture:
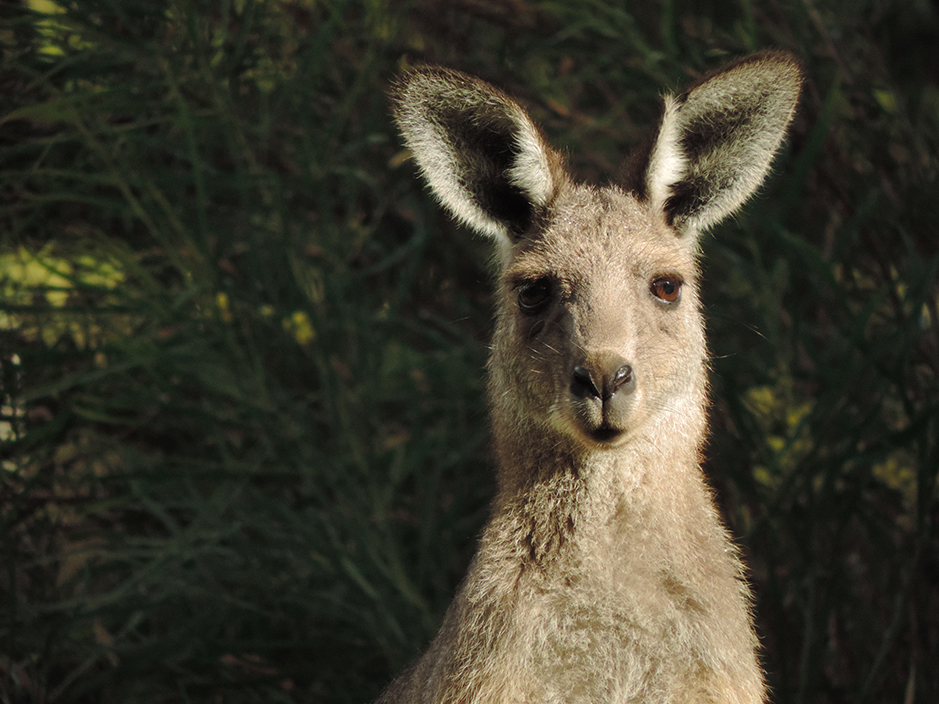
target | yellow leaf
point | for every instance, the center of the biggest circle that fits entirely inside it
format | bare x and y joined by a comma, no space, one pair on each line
886,100
300,327
224,309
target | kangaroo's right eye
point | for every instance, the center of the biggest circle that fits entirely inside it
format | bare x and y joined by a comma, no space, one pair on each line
666,288
534,296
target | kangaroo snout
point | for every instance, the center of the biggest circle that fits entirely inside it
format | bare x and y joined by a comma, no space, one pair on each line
602,390
601,381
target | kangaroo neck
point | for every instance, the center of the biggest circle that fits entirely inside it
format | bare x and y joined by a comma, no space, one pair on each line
557,501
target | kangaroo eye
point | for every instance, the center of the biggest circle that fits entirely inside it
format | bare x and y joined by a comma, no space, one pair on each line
666,288
534,296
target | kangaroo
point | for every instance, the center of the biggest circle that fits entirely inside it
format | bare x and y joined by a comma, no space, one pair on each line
604,573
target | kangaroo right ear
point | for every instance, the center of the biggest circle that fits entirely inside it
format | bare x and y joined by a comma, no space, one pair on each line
480,152
716,141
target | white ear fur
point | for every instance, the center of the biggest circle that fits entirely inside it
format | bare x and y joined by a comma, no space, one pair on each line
479,151
532,169
716,142
667,163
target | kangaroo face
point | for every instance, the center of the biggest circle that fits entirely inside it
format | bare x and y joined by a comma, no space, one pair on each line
601,329
599,335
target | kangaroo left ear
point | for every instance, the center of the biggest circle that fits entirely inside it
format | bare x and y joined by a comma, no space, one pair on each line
715,142
480,152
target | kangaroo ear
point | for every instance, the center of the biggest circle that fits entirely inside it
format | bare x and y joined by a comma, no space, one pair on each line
716,141
480,152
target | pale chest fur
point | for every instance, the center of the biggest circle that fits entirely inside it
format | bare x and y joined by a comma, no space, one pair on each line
606,603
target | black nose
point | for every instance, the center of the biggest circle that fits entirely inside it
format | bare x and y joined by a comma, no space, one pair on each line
582,384
602,379
622,379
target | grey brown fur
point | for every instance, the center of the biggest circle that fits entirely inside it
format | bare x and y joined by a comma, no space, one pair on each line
604,573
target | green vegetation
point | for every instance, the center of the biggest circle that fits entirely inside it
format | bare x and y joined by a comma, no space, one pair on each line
243,442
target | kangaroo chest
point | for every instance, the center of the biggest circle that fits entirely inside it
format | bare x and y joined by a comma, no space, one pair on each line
589,616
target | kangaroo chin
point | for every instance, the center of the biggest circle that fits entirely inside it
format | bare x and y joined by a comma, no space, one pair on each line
604,573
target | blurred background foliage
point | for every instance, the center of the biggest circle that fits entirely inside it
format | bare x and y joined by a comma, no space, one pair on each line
243,440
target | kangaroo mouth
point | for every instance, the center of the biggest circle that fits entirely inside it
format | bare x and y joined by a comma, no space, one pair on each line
605,434
591,427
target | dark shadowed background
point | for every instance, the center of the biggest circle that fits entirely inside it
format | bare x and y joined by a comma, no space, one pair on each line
243,437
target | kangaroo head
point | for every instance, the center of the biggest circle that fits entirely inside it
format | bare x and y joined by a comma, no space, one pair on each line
599,335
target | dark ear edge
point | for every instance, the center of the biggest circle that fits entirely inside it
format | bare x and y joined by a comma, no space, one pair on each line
777,56
636,165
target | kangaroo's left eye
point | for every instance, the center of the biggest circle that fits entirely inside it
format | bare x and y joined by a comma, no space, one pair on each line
534,296
666,288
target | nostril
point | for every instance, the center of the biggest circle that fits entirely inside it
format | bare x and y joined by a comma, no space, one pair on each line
582,383
623,376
